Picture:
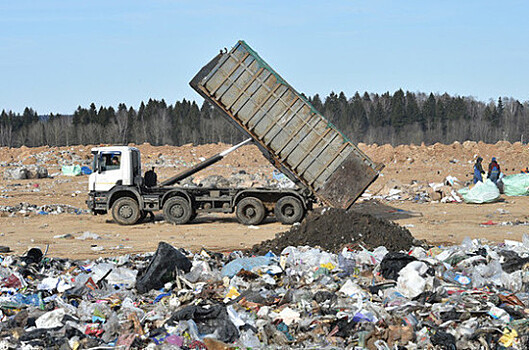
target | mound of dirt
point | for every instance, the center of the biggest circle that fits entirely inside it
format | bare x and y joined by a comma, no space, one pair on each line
332,229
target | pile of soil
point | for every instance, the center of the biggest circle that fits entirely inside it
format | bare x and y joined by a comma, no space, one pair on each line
332,229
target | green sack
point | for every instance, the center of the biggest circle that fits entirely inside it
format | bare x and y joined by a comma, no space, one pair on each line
71,170
516,185
482,192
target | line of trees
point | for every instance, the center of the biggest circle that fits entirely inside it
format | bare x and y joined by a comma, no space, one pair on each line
398,118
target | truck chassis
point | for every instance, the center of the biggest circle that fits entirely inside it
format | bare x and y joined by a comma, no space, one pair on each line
180,205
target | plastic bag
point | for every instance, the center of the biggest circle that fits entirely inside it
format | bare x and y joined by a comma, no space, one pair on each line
516,185
463,191
86,170
71,170
233,267
52,319
482,192
410,282
162,266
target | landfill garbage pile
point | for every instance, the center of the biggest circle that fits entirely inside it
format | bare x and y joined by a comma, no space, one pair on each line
416,191
241,179
26,209
26,172
470,296
331,229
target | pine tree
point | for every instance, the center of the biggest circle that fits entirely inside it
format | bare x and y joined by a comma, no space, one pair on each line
499,112
316,102
366,97
398,110
429,111
359,115
413,112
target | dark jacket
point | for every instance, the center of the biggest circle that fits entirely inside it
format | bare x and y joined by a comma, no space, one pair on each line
494,171
493,165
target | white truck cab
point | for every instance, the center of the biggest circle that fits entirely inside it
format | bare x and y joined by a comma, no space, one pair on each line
117,165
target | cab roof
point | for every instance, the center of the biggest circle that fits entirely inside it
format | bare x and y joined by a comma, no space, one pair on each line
113,149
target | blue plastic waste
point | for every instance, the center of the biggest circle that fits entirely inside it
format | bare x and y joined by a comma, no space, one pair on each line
32,299
86,170
360,317
278,175
282,327
160,297
233,267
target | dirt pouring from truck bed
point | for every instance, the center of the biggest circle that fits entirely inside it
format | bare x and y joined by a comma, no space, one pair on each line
332,229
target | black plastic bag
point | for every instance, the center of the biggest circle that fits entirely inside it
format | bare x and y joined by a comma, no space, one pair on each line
162,268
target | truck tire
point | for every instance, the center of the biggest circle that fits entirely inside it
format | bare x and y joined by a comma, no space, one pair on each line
126,211
177,210
250,211
289,210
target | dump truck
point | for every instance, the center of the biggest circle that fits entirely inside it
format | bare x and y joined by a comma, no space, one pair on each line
323,163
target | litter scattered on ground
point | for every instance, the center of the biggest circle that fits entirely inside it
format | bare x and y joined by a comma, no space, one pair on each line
26,172
451,190
88,235
26,209
65,236
505,223
470,296
420,192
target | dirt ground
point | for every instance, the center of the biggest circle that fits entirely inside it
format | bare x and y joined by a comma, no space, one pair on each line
437,223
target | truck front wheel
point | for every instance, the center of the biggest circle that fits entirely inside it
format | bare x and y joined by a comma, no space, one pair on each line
250,211
177,210
126,211
289,210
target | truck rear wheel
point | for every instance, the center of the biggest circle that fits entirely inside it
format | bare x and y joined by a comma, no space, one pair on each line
250,211
126,211
177,210
289,210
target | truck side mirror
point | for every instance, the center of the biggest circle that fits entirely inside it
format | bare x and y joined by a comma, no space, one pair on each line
99,167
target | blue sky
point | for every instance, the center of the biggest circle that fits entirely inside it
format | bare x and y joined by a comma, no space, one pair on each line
57,55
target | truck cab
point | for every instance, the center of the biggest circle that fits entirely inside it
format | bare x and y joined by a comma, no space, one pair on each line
115,166
116,183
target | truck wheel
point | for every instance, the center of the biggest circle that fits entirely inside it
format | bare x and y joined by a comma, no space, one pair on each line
177,210
250,211
126,211
289,210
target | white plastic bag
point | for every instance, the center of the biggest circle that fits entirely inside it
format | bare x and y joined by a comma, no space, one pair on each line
410,282
482,192
52,319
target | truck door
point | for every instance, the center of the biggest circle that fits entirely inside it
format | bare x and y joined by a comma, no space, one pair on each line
108,171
